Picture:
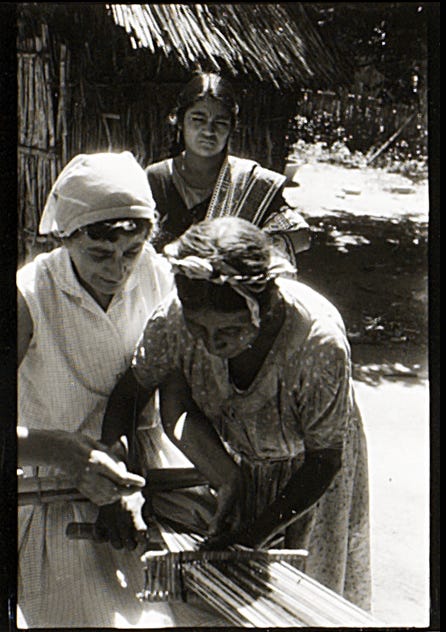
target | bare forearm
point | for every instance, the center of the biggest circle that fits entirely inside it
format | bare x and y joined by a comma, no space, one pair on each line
124,407
190,430
303,490
96,472
41,447
202,446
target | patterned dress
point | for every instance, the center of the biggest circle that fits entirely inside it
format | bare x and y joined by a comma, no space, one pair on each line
302,398
77,353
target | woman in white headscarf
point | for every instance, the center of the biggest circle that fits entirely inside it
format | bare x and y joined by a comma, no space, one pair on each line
81,310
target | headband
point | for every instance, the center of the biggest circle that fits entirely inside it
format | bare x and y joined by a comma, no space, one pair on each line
220,272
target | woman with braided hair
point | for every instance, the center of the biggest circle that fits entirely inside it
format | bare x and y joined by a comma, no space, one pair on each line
255,389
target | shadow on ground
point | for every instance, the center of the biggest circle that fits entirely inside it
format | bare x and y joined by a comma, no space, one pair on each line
375,271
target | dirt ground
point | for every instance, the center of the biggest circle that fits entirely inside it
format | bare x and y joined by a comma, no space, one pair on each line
369,257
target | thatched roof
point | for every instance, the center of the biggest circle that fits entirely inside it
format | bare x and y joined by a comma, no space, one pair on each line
268,41
98,77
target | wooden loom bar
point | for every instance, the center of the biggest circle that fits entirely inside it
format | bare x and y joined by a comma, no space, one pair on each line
234,583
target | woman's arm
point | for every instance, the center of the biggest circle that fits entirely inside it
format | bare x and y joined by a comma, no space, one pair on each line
287,229
25,327
303,490
190,430
286,226
120,522
300,238
323,407
291,244
96,472
124,407
150,365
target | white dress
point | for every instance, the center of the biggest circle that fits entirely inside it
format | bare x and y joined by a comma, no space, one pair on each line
77,353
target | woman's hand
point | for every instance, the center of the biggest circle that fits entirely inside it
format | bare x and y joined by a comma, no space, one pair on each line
122,523
301,492
247,536
95,470
230,501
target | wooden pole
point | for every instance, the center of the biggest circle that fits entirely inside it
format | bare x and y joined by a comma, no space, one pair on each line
390,140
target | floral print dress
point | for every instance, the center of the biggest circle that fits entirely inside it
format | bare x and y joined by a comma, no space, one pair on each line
301,399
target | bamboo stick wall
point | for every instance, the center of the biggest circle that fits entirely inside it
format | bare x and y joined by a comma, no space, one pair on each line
83,88
66,106
39,159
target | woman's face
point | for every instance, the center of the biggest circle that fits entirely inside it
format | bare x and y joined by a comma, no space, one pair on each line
224,334
104,266
206,128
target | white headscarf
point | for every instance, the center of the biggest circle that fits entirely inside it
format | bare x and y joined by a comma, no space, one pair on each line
97,187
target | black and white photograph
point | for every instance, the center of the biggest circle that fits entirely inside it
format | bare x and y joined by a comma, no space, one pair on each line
224,296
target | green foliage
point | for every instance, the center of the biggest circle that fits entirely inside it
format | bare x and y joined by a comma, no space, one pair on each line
395,160
337,153
330,135
360,130
389,37
321,127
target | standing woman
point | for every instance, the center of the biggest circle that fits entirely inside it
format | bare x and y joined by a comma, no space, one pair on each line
255,388
203,181
81,309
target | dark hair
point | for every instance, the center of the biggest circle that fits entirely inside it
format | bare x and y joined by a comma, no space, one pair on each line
230,240
203,84
110,230
195,294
